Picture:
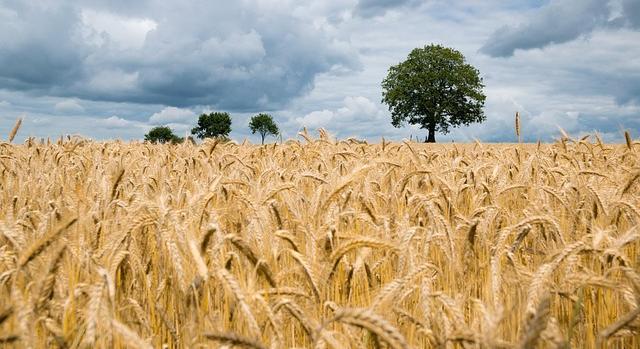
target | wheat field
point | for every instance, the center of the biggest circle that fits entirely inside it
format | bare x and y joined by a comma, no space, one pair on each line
319,243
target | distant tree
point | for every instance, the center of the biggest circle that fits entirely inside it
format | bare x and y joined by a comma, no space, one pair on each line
162,134
214,124
264,125
434,88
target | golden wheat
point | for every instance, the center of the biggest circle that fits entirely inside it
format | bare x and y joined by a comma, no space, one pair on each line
319,244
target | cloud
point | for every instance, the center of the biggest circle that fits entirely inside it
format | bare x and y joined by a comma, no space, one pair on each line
316,119
234,55
4,104
371,8
125,32
43,56
115,122
68,106
631,12
172,115
562,21
558,22
354,110
180,129
357,116
135,65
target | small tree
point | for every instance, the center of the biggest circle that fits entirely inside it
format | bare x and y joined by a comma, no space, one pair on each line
161,134
434,88
214,124
264,125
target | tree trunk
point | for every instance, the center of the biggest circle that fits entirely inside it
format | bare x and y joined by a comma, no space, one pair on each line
431,138
262,134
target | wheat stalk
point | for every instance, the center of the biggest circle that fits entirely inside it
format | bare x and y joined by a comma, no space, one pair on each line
518,126
14,130
628,140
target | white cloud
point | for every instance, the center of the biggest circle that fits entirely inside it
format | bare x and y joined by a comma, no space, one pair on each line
4,104
172,115
115,122
69,106
358,107
353,109
356,116
126,32
316,119
550,122
180,129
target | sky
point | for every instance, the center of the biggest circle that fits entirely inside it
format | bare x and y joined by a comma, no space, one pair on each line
114,69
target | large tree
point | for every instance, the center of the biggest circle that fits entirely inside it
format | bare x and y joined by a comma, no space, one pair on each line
162,134
214,124
434,88
264,125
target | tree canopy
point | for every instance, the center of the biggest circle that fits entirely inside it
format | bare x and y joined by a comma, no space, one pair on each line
434,88
264,125
214,124
162,134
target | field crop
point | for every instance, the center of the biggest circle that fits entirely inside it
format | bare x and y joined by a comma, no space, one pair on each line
319,244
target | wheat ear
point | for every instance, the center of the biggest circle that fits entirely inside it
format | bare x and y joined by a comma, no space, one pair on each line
308,271
630,182
628,140
373,323
15,129
392,288
46,292
204,243
130,336
535,324
5,314
246,250
618,325
35,249
337,255
233,339
296,312
237,292
9,339
518,126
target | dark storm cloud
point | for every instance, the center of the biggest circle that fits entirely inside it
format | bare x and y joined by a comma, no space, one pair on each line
562,21
558,22
37,57
231,55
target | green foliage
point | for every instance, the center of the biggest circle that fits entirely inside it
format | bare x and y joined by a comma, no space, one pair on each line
162,134
264,125
215,124
434,88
